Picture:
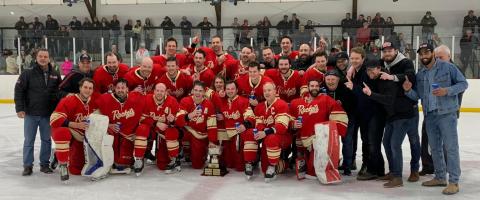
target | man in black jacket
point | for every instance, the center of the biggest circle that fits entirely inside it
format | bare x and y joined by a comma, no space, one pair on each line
36,95
397,67
69,84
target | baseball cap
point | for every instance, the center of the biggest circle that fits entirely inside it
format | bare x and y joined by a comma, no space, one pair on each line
372,63
341,55
85,57
332,73
425,46
388,44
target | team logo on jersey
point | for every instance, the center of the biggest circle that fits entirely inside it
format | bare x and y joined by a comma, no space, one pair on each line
160,118
79,117
288,92
125,114
235,115
310,110
199,119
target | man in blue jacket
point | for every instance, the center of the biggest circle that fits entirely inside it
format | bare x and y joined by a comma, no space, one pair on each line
438,85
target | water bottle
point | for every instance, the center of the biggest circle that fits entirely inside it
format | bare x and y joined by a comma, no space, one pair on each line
199,107
237,125
255,131
435,86
119,125
300,119
252,96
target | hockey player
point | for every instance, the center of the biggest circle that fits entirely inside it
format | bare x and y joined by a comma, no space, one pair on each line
286,44
238,119
142,79
199,71
178,84
124,111
247,56
108,74
251,86
317,70
159,117
288,81
198,120
69,122
170,51
272,122
308,111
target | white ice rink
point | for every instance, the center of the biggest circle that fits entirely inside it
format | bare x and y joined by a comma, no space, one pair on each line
188,184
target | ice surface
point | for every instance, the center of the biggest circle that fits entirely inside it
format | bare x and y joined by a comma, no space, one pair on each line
188,184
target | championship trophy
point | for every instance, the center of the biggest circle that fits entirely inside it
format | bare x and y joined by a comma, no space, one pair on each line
214,166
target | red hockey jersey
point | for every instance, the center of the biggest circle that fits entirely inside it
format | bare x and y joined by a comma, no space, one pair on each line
127,113
311,74
321,109
289,88
272,116
154,112
236,110
72,109
161,60
246,88
292,56
204,126
180,87
104,80
135,80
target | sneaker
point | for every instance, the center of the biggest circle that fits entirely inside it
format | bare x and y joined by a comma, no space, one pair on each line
46,169
414,177
347,172
367,176
452,188
387,177
434,183
138,166
27,171
425,172
63,173
173,166
394,182
248,170
363,170
270,174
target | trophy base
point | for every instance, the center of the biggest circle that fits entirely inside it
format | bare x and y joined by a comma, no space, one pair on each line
214,171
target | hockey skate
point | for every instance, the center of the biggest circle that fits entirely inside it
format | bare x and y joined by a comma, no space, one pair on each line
173,166
138,166
248,171
150,159
53,160
120,170
64,173
270,174
300,168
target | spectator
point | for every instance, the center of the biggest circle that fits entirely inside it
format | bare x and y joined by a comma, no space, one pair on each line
105,32
96,34
35,98
186,28
137,34
369,20
469,22
64,41
301,36
283,26
66,66
11,62
313,37
245,34
377,26
428,26
76,28
436,40
309,27
167,25
21,26
294,23
69,84
266,32
87,28
51,26
348,25
115,26
141,53
3,62
236,32
467,44
205,27
389,28
128,34
149,33
363,34
38,28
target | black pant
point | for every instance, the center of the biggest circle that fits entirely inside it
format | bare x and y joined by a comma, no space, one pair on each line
371,131
356,126
427,162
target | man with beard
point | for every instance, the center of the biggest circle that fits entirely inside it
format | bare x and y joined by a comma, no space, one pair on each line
199,71
304,61
247,55
108,74
124,111
367,116
170,51
143,78
268,59
223,59
344,97
251,85
397,66
197,119
286,44
159,118
314,109
69,124
316,71
69,85
236,109
178,84
341,65
288,81
438,86
272,121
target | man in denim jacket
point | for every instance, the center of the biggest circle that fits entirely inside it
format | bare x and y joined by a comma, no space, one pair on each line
438,85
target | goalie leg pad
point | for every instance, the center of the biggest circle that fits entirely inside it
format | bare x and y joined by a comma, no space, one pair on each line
326,146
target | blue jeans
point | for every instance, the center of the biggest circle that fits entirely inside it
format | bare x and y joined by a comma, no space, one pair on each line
30,125
395,132
442,133
347,144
